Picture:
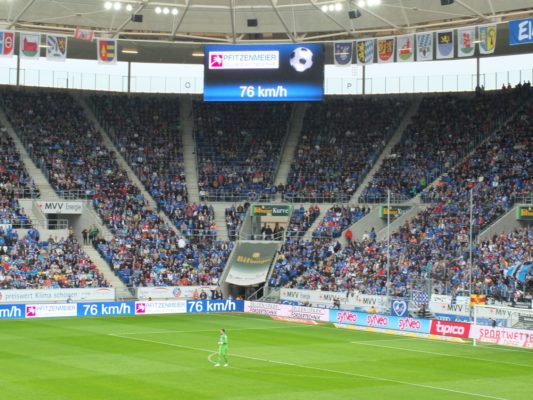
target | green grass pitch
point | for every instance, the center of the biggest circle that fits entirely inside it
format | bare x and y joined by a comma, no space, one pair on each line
168,357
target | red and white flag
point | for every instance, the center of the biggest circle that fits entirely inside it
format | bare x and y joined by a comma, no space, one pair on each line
83,34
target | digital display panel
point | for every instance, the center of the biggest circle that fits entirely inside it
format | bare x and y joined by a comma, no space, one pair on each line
281,72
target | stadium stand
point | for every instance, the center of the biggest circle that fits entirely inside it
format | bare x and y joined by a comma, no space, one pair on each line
444,130
15,183
432,248
301,220
239,148
32,264
338,218
235,216
70,151
341,140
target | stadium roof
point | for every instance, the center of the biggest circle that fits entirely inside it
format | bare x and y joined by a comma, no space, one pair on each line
277,20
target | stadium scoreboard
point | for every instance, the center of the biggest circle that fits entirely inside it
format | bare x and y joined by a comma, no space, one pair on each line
283,72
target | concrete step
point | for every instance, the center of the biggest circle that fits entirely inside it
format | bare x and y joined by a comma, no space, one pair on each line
413,109
46,191
189,148
291,142
104,268
120,160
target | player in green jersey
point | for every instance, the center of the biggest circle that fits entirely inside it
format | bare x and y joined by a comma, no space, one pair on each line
222,348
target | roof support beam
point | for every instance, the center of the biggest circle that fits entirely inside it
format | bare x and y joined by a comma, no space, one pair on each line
20,14
380,18
127,21
472,10
232,15
334,20
175,30
287,30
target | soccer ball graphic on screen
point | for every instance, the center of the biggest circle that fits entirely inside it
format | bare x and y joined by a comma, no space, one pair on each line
301,59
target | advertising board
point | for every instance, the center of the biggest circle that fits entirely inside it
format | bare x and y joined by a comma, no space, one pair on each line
324,298
160,307
446,328
406,324
102,309
173,292
287,311
50,310
502,336
208,306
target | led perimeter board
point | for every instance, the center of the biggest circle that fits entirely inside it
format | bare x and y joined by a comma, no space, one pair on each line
280,72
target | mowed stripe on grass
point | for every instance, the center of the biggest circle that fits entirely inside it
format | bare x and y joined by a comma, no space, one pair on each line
165,356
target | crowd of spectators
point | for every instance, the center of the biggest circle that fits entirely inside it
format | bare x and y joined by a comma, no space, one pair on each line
145,129
15,183
53,263
433,247
338,218
301,220
235,216
444,129
239,148
340,141
72,153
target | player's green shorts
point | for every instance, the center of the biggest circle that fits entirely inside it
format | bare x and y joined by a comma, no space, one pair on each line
223,350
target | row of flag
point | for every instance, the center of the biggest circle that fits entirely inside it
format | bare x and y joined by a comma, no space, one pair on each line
56,46
421,46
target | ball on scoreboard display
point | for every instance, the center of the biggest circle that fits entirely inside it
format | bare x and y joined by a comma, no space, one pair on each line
301,59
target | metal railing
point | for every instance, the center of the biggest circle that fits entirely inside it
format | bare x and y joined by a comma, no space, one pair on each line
15,223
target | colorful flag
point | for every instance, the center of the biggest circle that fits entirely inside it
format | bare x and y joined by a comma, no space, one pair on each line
107,51
83,34
487,39
7,43
343,53
29,46
56,47
424,46
365,51
386,50
444,45
466,42
405,48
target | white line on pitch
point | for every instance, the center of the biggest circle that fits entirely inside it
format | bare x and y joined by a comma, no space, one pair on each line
365,343
376,378
209,330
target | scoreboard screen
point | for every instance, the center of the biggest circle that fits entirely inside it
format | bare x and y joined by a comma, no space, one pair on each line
282,72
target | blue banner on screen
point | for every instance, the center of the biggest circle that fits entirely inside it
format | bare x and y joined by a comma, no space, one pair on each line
9,311
282,72
101,309
204,306
521,31
407,324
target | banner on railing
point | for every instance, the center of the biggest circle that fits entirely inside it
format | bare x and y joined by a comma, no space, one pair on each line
406,324
449,308
287,311
56,295
60,207
250,262
160,307
325,299
503,336
173,292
